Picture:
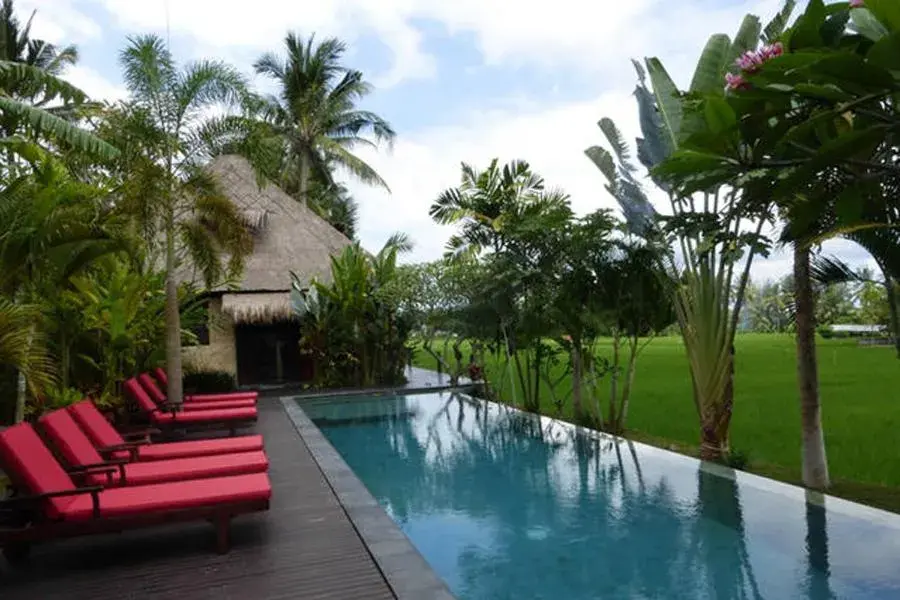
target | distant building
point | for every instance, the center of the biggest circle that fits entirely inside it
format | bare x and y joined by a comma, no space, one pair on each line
858,329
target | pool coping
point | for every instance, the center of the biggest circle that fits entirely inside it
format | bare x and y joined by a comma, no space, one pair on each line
405,570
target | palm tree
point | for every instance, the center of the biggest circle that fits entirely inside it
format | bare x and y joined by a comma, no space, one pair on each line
162,183
314,115
17,45
53,226
334,203
481,201
33,98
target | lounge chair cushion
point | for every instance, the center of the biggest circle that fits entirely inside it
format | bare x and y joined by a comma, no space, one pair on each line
140,396
245,403
67,437
151,500
188,417
181,469
77,450
28,462
196,448
104,435
94,424
222,397
237,399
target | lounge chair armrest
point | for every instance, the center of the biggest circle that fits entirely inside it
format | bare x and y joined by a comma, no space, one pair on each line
93,490
132,448
109,467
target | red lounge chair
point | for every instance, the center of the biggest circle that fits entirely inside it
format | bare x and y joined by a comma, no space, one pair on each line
57,508
163,380
168,417
222,402
111,444
78,451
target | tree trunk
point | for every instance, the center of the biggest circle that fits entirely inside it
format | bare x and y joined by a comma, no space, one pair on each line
815,462
22,388
891,286
576,382
173,322
614,382
303,184
626,389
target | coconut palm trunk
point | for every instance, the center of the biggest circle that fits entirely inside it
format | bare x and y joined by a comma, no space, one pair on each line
173,323
891,286
815,462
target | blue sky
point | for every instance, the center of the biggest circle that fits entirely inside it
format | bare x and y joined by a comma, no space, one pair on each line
465,80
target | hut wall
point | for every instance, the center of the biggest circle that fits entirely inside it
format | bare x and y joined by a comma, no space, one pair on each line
221,352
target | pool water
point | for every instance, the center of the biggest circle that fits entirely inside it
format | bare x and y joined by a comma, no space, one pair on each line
505,505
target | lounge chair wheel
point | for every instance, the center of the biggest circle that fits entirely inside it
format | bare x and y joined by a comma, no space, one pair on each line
16,552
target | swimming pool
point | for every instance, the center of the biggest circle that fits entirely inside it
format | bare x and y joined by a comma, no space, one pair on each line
506,505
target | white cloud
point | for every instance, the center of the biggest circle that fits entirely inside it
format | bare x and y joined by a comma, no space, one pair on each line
94,84
424,163
59,23
593,37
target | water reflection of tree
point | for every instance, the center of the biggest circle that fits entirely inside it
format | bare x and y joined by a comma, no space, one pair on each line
563,505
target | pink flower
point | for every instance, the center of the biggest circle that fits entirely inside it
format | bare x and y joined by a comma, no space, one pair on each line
735,82
752,60
857,3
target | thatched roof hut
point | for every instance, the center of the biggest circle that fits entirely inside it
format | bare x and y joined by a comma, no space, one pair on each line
287,236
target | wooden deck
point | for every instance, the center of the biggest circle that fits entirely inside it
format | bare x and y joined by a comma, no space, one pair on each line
304,547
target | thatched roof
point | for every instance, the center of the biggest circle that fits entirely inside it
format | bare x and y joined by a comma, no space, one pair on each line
258,307
287,235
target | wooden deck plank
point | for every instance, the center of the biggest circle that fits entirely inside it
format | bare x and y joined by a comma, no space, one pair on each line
303,547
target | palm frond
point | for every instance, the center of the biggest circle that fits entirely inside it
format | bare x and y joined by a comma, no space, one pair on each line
827,271
399,241
205,83
23,345
341,156
148,70
44,123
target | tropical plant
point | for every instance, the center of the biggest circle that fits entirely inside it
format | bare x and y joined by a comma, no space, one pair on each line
35,104
177,206
715,233
313,120
334,203
479,203
811,120
23,350
53,227
352,327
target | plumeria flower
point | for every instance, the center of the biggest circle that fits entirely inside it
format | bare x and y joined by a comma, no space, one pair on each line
857,3
735,82
750,62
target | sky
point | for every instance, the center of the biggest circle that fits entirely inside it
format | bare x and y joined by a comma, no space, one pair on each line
459,80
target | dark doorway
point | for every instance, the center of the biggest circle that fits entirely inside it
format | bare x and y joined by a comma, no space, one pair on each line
270,354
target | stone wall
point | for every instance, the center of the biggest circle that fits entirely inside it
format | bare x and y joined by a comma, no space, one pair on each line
221,353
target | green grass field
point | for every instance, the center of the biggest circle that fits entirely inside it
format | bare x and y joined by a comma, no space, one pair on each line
860,391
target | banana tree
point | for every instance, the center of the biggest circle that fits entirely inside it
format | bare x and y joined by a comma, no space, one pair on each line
815,125
713,235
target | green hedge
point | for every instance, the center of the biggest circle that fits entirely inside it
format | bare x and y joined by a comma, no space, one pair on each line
209,382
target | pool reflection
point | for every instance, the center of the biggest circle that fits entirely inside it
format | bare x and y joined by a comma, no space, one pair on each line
506,505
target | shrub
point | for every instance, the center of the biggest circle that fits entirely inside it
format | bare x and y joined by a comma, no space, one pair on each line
737,459
209,382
